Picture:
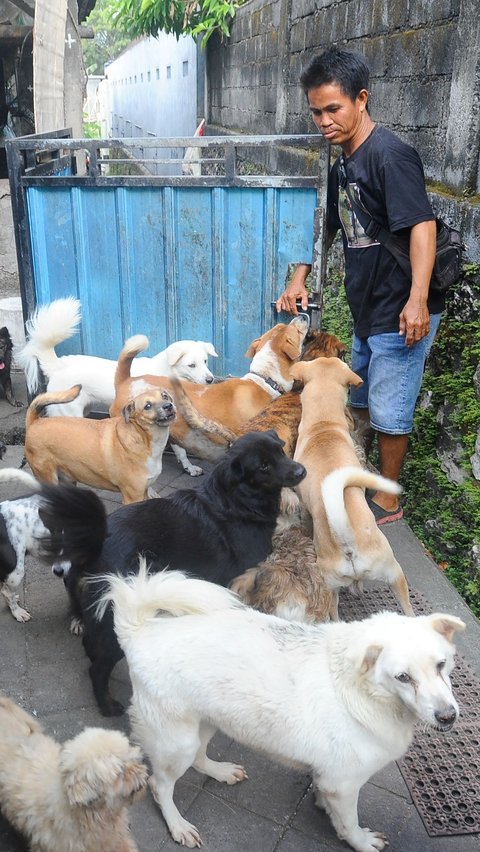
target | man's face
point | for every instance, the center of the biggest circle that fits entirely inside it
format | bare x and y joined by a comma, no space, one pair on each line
338,118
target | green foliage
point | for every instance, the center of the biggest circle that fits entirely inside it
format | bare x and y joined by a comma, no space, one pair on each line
180,17
336,316
445,515
108,42
91,129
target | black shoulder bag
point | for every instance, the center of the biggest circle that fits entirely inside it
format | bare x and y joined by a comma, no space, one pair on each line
448,266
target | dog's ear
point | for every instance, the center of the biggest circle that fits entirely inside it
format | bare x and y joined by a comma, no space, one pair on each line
369,658
176,351
298,371
98,763
210,350
259,341
351,378
128,411
292,345
447,625
252,349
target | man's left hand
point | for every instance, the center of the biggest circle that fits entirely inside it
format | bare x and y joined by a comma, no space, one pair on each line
414,321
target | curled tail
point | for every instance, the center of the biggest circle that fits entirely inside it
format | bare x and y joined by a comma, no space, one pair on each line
13,474
43,399
195,419
50,325
133,346
333,487
77,519
141,597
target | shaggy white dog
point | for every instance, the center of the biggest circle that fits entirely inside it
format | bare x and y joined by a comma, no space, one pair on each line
53,323
72,797
339,699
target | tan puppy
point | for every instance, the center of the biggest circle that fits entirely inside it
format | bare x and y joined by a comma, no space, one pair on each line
349,546
123,453
288,583
72,797
284,413
229,403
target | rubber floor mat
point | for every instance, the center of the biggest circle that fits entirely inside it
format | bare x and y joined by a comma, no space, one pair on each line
441,771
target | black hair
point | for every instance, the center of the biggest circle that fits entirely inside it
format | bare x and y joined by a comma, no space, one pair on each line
343,67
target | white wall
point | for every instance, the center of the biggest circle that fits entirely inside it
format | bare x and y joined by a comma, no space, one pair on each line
152,90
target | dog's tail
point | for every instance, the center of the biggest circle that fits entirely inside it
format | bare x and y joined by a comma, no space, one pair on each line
195,419
49,325
44,399
141,597
13,474
133,346
77,521
333,487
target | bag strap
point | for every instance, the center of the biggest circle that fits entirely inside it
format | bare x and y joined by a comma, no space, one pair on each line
372,228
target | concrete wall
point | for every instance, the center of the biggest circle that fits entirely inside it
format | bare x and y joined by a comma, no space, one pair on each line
152,90
424,57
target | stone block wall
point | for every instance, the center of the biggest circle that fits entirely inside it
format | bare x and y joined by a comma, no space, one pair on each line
424,57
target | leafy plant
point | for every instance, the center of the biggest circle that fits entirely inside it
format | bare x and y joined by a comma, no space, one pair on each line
108,41
180,17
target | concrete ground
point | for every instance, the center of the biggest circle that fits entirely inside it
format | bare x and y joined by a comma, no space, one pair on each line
43,667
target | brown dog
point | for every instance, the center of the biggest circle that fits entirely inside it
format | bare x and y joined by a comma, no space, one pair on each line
229,403
288,583
282,414
349,546
119,454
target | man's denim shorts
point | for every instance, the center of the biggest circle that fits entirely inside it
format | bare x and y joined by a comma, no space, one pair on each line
392,373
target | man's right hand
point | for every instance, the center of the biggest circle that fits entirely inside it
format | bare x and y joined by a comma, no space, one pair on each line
296,290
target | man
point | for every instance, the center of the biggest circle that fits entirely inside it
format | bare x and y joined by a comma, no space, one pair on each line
395,317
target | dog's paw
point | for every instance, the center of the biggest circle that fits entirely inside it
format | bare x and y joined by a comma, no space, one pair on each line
366,840
20,614
76,626
193,470
186,834
228,773
289,502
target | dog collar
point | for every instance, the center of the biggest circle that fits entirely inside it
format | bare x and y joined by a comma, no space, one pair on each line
270,382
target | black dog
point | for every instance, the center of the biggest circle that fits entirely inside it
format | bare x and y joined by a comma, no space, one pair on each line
6,347
215,531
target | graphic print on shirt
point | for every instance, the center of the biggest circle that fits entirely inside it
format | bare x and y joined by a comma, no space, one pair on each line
354,232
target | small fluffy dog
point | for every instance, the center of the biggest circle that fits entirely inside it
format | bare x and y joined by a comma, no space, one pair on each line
22,531
288,583
339,699
350,548
230,403
53,323
121,453
215,531
6,347
72,797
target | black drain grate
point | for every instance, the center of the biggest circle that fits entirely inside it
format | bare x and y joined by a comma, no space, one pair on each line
441,771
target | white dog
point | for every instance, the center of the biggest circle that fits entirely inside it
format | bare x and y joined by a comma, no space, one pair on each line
21,531
57,321
339,699
72,797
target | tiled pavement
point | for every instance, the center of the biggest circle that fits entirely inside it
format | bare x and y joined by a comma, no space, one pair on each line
43,667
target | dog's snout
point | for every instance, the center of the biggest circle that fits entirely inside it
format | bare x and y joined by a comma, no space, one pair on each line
446,717
209,380
299,472
167,406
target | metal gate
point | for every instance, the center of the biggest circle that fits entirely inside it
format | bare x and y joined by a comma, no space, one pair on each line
179,256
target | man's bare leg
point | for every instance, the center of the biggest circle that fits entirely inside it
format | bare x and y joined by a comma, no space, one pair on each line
392,450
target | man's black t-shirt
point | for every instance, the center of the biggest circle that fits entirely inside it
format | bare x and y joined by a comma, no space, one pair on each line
387,176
